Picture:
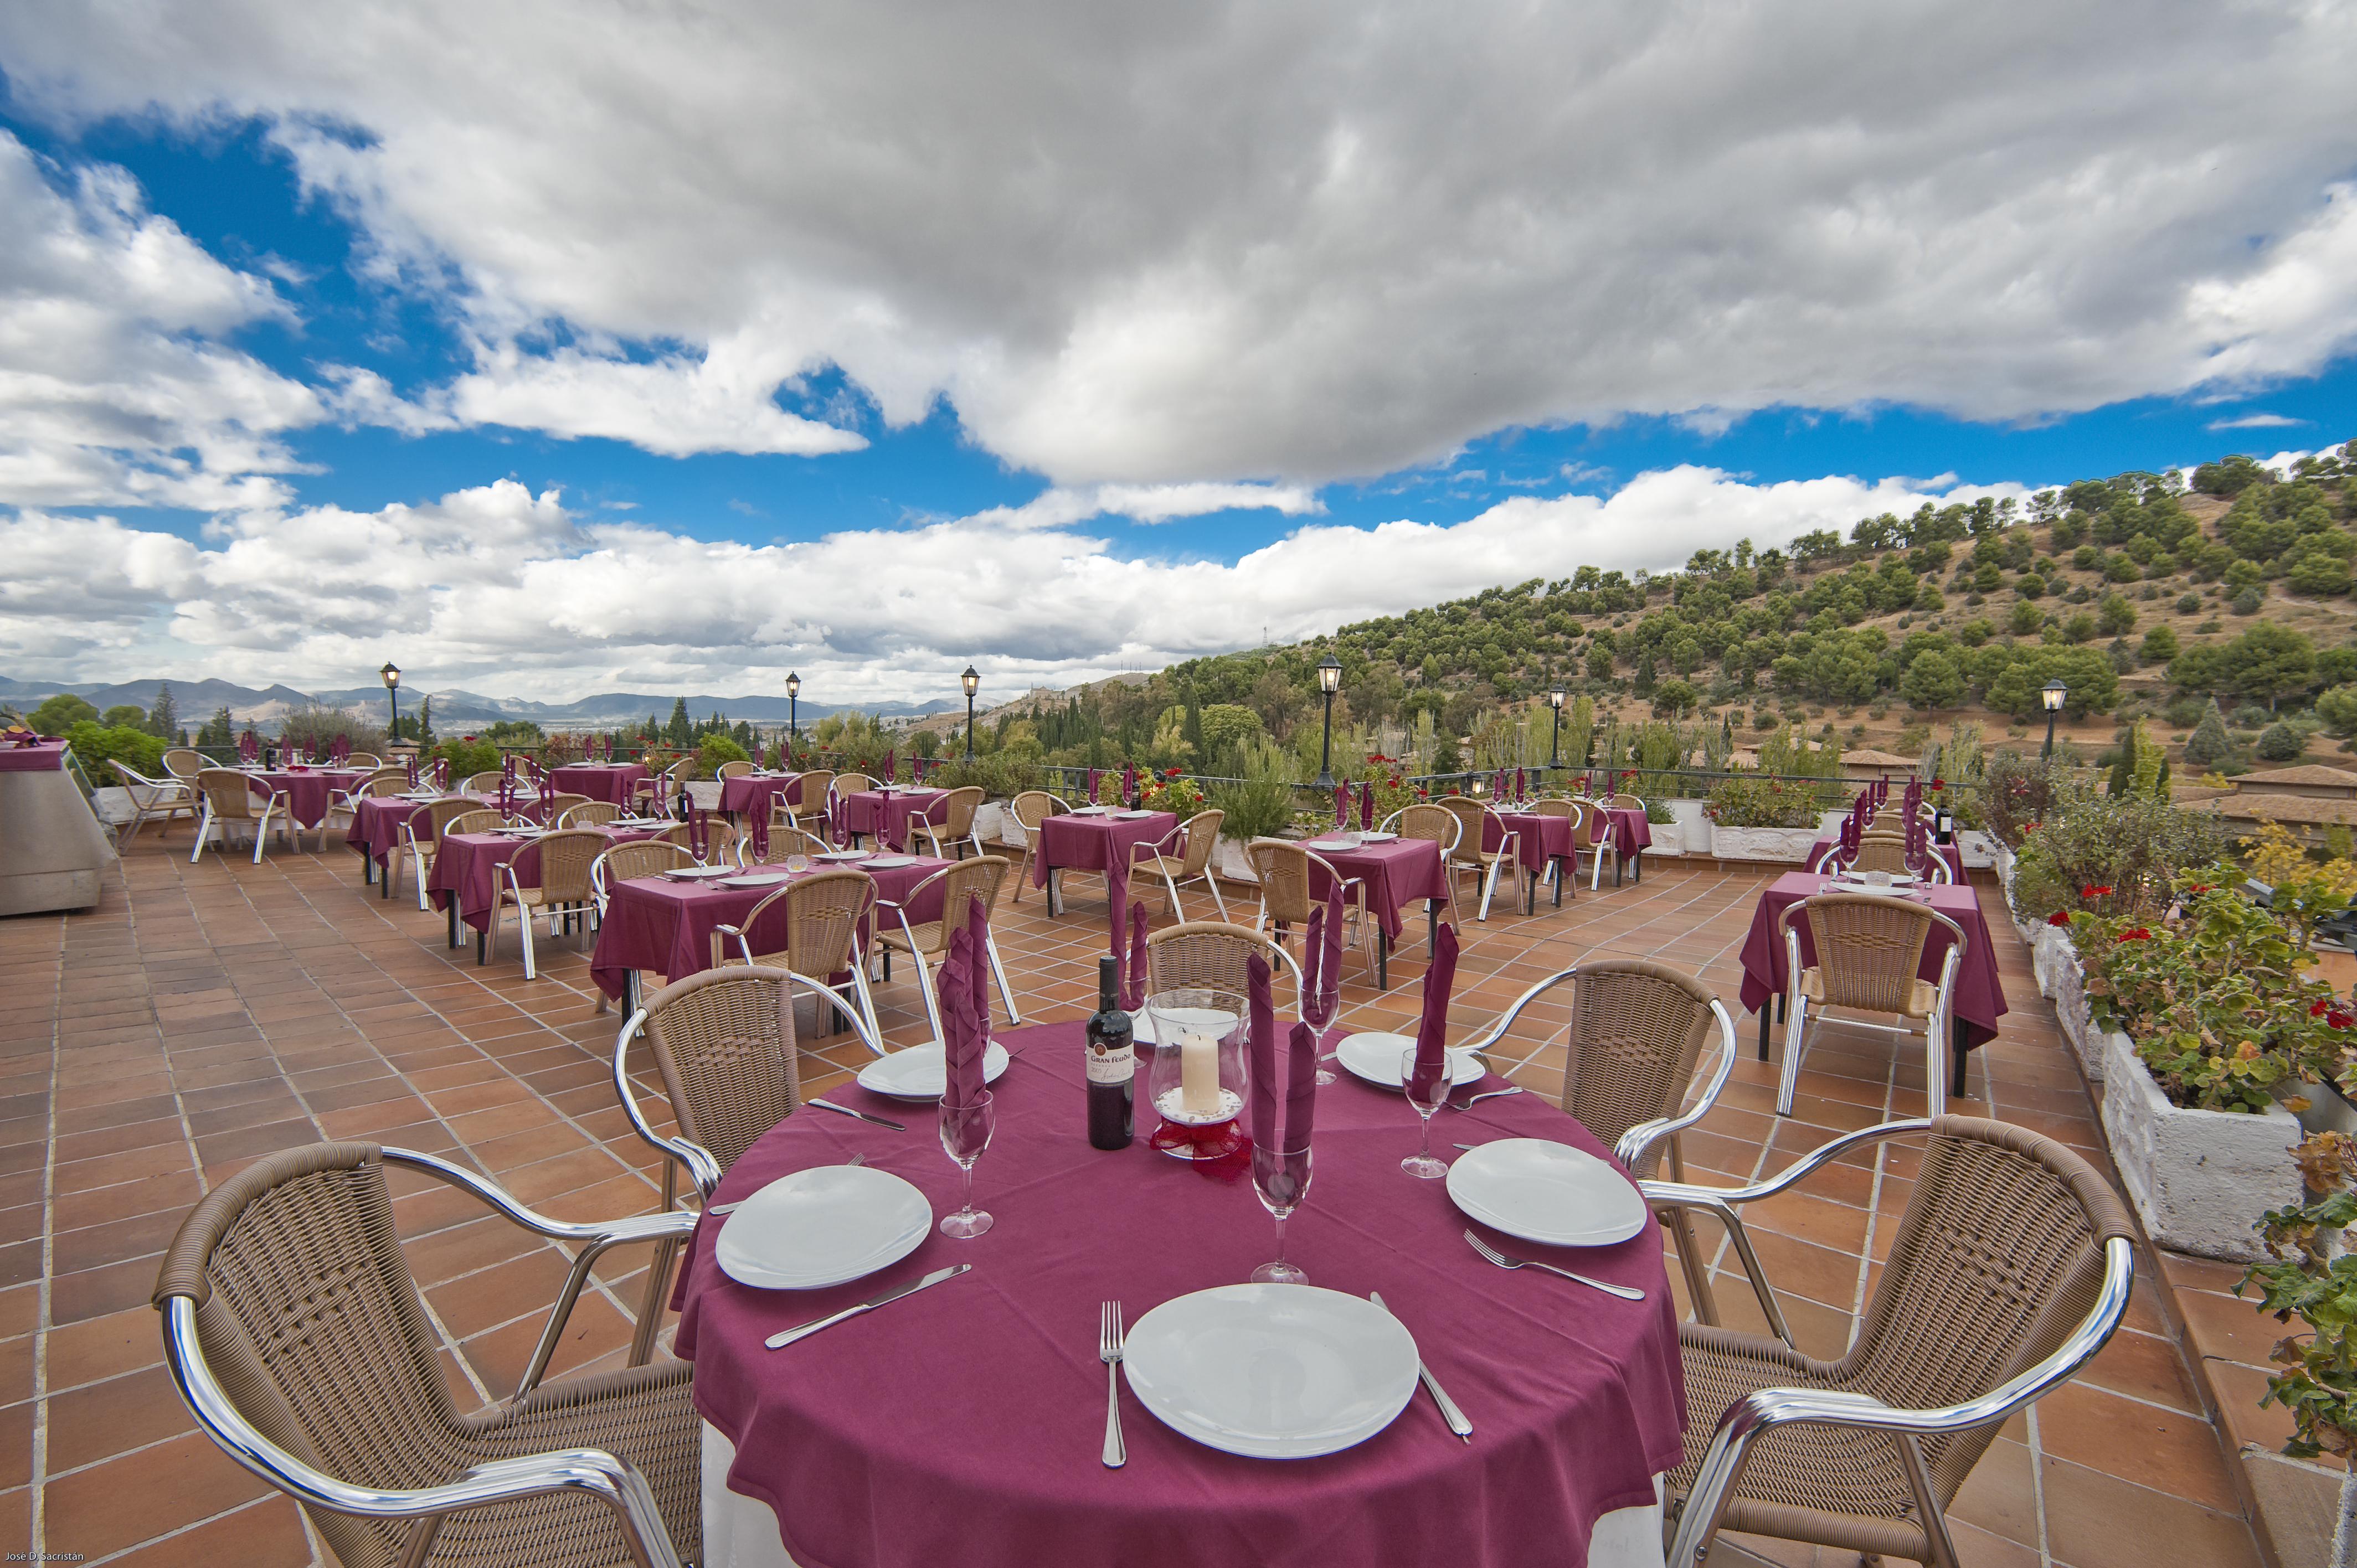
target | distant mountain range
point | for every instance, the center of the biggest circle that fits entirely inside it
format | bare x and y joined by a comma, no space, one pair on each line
198,700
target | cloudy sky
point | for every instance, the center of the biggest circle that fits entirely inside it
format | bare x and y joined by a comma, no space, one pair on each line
555,347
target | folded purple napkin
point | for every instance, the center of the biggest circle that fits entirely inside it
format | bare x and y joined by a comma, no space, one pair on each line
1321,993
962,1038
977,931
1300,1088
1342,804
1432,1030
1262,1049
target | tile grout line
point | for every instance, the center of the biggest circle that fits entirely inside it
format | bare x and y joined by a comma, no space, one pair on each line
38,1477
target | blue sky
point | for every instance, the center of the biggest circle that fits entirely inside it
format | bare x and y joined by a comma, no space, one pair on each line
385,308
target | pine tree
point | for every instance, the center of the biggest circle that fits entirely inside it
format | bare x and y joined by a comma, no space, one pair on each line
164,719
680,731
219,729
2209,744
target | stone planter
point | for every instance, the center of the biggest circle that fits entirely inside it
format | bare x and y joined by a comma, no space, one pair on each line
1669,838
1230,864
2200,1179
1687,832
1981,848
2055,961
993,823
2329,1109
1790,845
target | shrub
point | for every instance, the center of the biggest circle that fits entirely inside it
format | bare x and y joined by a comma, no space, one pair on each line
96,745
313,730
997,775
468,755
1763,803
2279,742
2310,1277
2248,601
711,752
2189,604
2114,855
1171,791
1261,803
2338,708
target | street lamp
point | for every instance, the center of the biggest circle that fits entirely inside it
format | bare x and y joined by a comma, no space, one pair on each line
1555,746
2052,694
793,706
392,677
971,682
1330,681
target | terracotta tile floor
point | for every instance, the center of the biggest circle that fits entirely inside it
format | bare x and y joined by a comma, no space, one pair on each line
200,1017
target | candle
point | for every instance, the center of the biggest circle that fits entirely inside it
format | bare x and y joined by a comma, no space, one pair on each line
1198,1073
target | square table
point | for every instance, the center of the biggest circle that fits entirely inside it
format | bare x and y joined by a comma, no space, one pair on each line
1395,873
756,794
611,782
1538,841
1953,852
465,879
885,810
1096,840
1979,998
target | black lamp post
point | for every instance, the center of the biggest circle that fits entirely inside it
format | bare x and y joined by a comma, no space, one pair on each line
391,676
1330,681
971,682
1554,745
2052,694
793,706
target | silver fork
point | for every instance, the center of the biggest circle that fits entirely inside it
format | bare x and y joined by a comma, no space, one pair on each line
1471,1100
732,1207
1626,1292
1109,1334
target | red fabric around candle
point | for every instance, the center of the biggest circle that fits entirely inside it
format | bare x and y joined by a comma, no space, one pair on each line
1300,1088
1366,807
1432,1030
1132,978
1262,1047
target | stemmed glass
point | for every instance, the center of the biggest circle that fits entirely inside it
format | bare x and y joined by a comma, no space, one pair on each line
1422,1163
965,1133
797,863
1282,1178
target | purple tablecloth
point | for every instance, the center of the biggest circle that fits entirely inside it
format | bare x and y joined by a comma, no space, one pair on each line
962,1425
611,784
1073,843
469,865
1394,873
753,793
1979,1000
376,825
665,927
304,793
887,816
1630,834
1953,853
41,757
1537,839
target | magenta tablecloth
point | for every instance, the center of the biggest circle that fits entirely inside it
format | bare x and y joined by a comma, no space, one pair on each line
608,783
1537,839
753,793
42,756
1094,843
1630,834
1979,1000
665,928
962,1425
467,864
306,792
376,825
1953,853
887,816
1395,873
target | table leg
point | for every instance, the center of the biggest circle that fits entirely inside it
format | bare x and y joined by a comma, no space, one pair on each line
368,871
385,883
1956,1088
1530,892
1431,922
630,992
451,909
1637,869
1565,871
1763,1031
1383,960
482,948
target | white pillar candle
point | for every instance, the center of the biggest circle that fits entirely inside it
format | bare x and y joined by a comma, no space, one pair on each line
1198,1073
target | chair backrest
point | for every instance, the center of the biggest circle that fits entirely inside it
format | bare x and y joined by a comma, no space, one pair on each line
784,842
1880,852
485,783
815,786
307,1314
1211,955
1201,832
1425,821
1283,869
226,791
1868,947
1554,806
846,784
562,803
1625,801
588,814
566,857
1637,1030
957,814
963,882
184,763
1470,814
732,770
720,838
817,918
439,814
724,1041
642,858
363,759
1998,1256
382,775
475,821
1036,806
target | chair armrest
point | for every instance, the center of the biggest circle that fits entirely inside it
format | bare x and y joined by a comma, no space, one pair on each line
670,1226
613,1481
1824,1154
1634,1143
702,1168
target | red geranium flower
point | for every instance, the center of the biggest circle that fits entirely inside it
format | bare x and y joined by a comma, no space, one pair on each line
1939,783
2339,1019
2138,935
2091,891
2059,918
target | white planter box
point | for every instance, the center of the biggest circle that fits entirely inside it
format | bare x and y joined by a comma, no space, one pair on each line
1669,838
1688,833
991,820
1981,848
1230,864
2056,964
2200,1179
1762,843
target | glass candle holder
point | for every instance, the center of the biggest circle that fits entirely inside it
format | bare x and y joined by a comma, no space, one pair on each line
1199,1079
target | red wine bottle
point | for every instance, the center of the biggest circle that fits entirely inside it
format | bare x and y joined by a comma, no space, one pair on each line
1112,1062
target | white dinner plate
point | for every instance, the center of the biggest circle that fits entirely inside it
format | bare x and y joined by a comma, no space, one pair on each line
1141,1027
760,879
1088,810
1271,1372
1372,837
917,1073
1330,845
699,873
822,1227
845,855
1549,1193
1132,816
886,862
1376,1058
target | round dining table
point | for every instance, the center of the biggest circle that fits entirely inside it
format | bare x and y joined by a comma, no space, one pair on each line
962,1424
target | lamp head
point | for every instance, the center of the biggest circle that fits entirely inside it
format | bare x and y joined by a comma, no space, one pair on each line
793,685
1330,675
1555,698
2052,694
969,680
391,674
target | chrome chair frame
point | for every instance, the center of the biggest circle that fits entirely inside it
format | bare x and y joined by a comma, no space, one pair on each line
167,798
872,1036
924,972
1936,1027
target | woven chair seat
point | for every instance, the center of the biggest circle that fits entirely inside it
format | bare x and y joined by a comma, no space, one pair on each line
1806,1482
928,937
1159,864
1921,995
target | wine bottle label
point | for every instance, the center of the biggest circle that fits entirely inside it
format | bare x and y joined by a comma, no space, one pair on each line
1112,1066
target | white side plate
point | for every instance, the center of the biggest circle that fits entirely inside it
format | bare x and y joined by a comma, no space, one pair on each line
1549,1193
917,1073
1376,1058
825,1226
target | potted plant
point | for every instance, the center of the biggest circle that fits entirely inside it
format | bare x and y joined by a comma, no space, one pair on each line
1762,819
2307,1274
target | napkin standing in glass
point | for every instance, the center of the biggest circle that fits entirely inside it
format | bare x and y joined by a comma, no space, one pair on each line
968,1112
1425,1069
1321,986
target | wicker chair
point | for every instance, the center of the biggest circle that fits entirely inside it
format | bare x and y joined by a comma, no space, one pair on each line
294,1332
381,781
487,782
1425,819
722,840
624,862
1212,955
561,891
229,797
815,931
1625,802
1473,818
478,820
562,803
2011,1267
1200,837
785,842
367,760
160,801
417,851
1029,808
728,770
1636,1038
812,793
656,788
184,763
1578,811
1284,869
588,814
956,825
960,884
1881,852
1868,947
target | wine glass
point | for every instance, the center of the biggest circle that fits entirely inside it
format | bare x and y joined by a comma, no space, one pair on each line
965,1133
797,863
1282,1178
1422,1164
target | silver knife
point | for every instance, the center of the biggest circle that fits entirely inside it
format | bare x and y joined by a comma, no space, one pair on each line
855,1116
779,1342
1448,1410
